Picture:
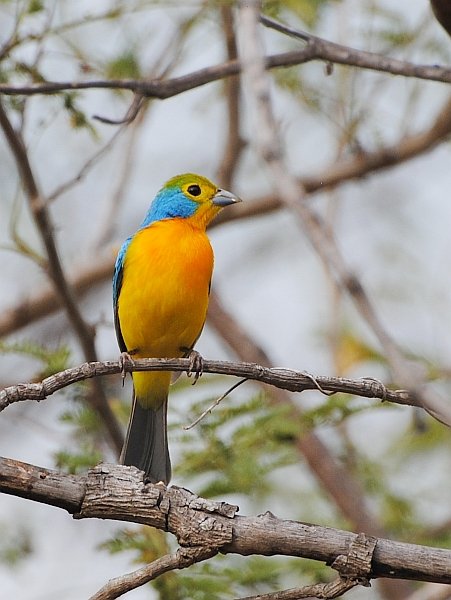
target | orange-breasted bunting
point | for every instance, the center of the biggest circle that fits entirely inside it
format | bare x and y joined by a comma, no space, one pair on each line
161,287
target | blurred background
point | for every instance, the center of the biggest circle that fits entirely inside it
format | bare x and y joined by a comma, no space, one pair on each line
274,300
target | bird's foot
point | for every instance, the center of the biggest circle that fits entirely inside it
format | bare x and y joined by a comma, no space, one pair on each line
196,365
147,479
126,364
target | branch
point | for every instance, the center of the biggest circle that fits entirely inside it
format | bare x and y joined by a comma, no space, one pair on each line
356,167
270,147
45,302
85,333
234,144
157,88
333,589
286,379
442,12
316,49
118,493
181,559
338,481
344,55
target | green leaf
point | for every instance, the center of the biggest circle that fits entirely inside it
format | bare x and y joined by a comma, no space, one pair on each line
238,447
78,462
77,117
124,66
35,6
15,544
53,359
307,11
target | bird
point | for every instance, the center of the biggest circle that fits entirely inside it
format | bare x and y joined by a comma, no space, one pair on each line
161,288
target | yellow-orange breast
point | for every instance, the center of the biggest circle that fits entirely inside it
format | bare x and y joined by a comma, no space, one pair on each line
164,296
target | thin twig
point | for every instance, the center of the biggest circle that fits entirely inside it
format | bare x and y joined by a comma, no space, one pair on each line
316,49
214,405
86,167
45,302
345,490
85,333
287,379
324,591
181,559
293,197
234,143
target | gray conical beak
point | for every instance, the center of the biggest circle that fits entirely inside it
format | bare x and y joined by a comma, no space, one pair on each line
224,198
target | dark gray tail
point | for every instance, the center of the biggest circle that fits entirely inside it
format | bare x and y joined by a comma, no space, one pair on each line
146,444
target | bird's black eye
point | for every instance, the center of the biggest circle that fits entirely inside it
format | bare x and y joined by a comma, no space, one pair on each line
194,190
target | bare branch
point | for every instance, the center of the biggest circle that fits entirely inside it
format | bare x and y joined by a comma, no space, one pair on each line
84,332
338,482
333,589
45,301
293,197
234,144
118,493
181,559
356,167
286,379
316,49
344,55
157,88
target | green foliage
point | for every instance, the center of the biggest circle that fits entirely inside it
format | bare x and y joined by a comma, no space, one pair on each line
396,512
234,450
77,117
433,435
86,432
81,416
307,11
35,6
230,577
335,410
53,360
124,66
147,544
15,544
439,537
238,446
78,462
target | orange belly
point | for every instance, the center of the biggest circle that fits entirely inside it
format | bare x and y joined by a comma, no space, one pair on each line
164,296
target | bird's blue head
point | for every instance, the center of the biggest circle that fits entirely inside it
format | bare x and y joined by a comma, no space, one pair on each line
188,196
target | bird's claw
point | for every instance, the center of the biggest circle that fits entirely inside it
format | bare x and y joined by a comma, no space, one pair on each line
126,364
196,365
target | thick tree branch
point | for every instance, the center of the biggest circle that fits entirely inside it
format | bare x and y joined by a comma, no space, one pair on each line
118,493
339,483
286,379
